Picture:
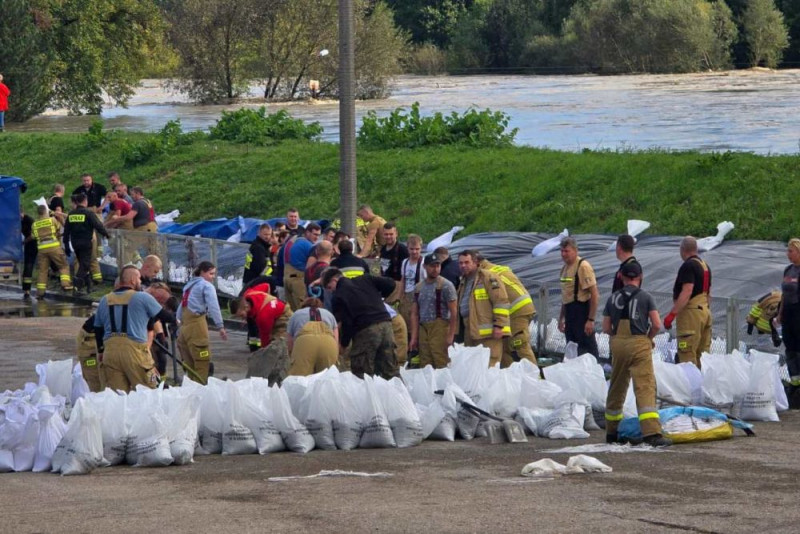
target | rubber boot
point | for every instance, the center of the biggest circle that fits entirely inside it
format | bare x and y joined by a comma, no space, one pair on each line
657,440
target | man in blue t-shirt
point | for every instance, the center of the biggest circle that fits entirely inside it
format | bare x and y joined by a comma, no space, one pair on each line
297,257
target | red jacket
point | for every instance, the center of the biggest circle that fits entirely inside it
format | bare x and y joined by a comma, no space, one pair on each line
4,93
264,310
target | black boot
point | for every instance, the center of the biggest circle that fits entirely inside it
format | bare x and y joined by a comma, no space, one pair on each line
658,441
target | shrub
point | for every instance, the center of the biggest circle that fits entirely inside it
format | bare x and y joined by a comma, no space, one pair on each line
170,137
408,130
96,137
257,128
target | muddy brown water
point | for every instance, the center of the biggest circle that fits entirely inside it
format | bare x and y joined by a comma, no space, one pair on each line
753,110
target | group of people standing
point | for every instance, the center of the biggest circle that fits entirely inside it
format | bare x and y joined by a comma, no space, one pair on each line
55,233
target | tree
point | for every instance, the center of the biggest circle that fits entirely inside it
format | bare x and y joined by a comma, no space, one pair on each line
73,53
765,33
429,21
791,15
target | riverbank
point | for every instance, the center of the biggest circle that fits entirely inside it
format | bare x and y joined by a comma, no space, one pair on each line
429,190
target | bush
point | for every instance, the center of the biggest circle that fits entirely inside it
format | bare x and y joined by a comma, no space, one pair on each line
96,137
257,128
427,59
170,137
409,130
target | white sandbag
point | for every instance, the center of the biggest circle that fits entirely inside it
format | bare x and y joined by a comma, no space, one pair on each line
421,383
212,416
582,374
571,351
538,393
695,378
711,242
635,227
6,461
502,396
236,437
565,422
25,449
296,388
377,431
79,387
586,464
726,378
57,376
544,467
51,430
346,412
781,400
112,409
148,445
468,367
549,244
672,384
403,417
759,401
430,417
81,449
294,434
629,408
316,414
446,429
256,414
182,411
443,240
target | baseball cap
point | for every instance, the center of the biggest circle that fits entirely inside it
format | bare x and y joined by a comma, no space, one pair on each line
632,269
432,258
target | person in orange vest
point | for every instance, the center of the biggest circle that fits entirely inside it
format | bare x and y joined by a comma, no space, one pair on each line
691,305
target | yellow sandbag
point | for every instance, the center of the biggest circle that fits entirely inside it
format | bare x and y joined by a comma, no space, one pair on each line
723,431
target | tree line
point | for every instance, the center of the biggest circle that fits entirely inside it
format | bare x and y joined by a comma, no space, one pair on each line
599,36
78,54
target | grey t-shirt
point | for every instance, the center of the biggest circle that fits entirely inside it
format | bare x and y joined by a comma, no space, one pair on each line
142,213
301,317
630,303
463,306
426,299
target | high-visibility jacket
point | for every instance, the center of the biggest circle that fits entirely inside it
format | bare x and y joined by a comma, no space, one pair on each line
488,305
520,302
45,230
763,311
270,314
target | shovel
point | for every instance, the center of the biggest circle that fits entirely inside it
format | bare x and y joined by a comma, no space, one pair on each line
186,368
499,430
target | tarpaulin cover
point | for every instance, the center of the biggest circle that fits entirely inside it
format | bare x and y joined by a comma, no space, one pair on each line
10,225
740,269
225,228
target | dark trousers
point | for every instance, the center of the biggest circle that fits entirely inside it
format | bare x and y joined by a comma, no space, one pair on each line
83,254
372,351
575,316
29,261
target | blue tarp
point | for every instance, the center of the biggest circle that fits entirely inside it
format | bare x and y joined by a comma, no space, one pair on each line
10,224
225,228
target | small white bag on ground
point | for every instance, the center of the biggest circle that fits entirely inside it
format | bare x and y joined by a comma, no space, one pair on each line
212,416
346,412
236,437
316,414
81,449
182,410
256,414
25,418
377,431
781,400
759,401
564,422
51,430
112,409
403,417
57,376
148,445
294,434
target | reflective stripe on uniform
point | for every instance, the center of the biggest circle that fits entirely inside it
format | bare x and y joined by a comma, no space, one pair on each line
352,272
648,415
51,244
519,302
480,294
613,415
485,330
500,310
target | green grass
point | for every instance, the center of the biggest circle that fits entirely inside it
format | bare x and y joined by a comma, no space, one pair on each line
429,190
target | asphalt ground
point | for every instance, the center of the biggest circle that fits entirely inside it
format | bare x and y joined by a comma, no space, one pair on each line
740,485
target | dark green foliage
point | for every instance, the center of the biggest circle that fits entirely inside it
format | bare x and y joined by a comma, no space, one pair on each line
403,129
167,140
96,137
255,127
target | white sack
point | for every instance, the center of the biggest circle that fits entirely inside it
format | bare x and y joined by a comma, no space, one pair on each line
81,449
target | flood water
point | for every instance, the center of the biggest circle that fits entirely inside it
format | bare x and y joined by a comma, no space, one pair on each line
12,305
739,110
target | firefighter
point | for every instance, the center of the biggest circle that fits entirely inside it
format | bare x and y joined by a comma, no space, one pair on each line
434,317
372,231
521,312
30,251
258,264
789,318
579,299
121,333
45,230
81,225
313,340
483,307
631,319
691,305
91,366
199,300
761,316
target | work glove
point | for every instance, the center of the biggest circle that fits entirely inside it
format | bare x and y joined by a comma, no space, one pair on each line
668,320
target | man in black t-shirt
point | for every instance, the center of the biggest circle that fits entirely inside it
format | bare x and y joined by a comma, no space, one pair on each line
392,255
95,193
631,319
624,252
691,306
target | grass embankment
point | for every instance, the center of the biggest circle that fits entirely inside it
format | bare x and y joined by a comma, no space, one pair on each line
429,190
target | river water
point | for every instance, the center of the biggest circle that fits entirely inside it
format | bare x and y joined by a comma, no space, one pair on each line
754,110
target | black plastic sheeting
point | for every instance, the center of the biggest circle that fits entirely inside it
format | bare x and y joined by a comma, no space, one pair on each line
740,269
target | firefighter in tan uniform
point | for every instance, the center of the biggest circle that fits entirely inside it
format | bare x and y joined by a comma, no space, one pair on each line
691,305
199,299
121,333
761,316
313,339
45,231
369,233
521,311
483,306
579,299
91,367
434,316
631,319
